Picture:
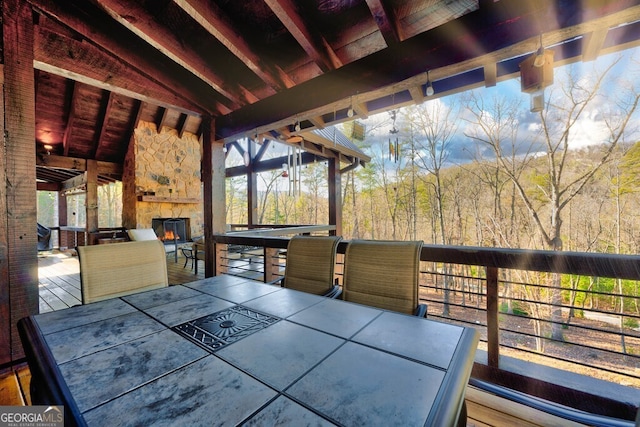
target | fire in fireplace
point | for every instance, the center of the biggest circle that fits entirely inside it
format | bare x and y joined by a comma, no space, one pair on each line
172,230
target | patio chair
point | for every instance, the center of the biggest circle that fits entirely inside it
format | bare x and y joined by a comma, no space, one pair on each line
383,274
194,253
311,264
118,269
141,234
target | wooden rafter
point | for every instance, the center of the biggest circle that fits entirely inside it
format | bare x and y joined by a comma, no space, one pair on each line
387,21
101,122
137,19
72,116
181,90
593,43
161,119
316,46
214,20
182,124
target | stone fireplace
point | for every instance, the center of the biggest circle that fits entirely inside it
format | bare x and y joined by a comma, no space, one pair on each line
161,180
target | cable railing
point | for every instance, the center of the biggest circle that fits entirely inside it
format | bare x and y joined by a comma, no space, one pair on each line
540,314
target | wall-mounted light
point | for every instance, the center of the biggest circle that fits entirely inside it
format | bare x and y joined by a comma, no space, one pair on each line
429,90
48,147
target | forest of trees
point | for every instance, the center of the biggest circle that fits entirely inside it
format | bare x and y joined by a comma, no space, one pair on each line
515,189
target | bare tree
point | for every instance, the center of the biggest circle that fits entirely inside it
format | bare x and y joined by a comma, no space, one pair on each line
559,123
435,125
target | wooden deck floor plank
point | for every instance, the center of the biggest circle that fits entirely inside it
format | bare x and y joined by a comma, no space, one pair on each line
10,390
66,293
51,299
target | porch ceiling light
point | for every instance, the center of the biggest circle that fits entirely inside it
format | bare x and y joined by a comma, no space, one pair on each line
429,90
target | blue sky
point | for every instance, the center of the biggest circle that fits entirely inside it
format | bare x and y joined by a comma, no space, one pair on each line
589,130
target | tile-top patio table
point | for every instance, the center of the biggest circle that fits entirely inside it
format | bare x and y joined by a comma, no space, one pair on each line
228,351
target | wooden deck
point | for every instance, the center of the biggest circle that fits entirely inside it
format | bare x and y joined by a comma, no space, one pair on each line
59,278
60,288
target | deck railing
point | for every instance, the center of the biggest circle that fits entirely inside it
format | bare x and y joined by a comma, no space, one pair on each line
561,326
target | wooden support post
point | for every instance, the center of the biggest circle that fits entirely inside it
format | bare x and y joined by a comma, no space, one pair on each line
213,177
271,264
91,199
493,327
252,189
221,251
18,237
335,196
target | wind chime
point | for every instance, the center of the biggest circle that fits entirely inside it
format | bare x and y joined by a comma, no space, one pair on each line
394,148
291,170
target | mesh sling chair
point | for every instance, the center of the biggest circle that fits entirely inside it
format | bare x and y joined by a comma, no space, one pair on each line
383,274
118,269
311,264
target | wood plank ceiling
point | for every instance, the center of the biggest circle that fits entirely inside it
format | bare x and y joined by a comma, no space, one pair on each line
259,67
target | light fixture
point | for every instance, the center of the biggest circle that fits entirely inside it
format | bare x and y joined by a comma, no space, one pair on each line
350,110
48,147
297,126
429,90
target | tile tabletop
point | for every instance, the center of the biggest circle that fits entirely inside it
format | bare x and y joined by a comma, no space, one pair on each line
229,351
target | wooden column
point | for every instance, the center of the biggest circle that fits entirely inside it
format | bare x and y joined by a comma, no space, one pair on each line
493,325
62,214
91,199
213,177
252,188
335,196
18,237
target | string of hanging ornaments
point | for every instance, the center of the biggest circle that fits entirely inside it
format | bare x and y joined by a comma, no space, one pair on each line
394,149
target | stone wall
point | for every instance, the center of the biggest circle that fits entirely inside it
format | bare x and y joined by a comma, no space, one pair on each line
163,165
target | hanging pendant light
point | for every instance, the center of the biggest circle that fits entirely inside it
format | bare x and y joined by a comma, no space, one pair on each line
429,90
350,110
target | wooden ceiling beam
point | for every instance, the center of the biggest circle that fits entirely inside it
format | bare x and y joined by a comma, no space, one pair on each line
503,30
73,163
182,124
119,50
72,116
48,186
161,119
593,42
214,20
387,21
490,74
139,21
270,164
316,46
101,123
74,183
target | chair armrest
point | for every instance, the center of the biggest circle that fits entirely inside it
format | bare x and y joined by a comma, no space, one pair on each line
334,293
277,282
421,311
